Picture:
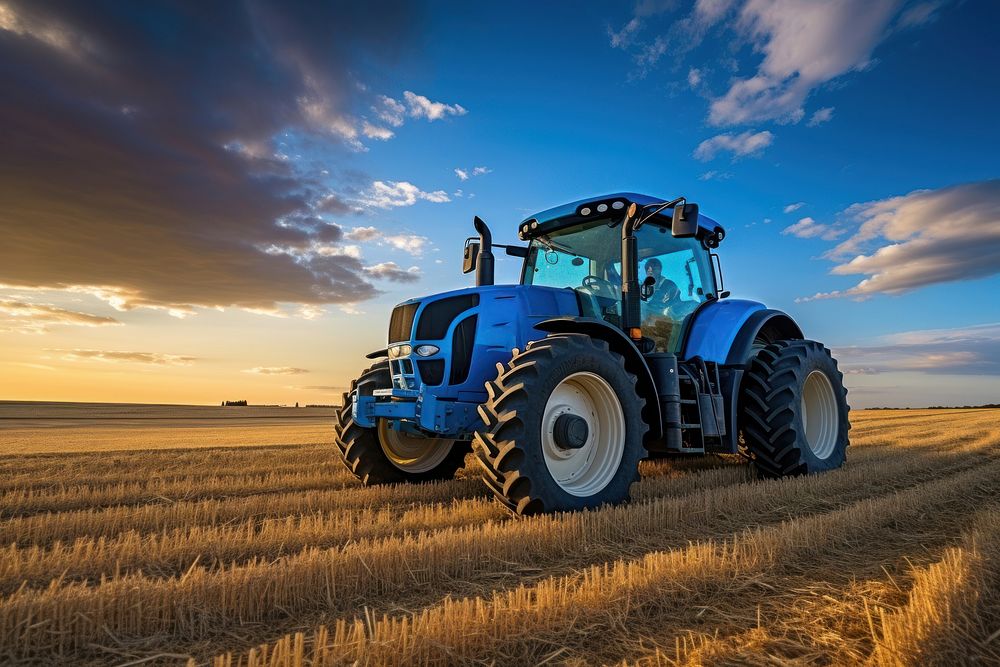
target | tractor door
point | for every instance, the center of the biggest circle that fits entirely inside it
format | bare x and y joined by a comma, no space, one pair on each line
683,279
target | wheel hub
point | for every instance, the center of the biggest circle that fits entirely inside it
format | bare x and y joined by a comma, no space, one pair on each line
583,434
570,431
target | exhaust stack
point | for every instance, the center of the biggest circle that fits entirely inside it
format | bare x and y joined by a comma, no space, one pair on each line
484,267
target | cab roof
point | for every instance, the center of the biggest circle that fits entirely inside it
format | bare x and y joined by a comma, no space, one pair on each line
573,213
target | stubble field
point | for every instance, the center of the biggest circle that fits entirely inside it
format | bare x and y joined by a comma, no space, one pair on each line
194,546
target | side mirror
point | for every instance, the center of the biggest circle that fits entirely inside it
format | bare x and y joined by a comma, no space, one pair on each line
685,222
470,256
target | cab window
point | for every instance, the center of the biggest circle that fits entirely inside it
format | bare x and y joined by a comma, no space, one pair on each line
681,279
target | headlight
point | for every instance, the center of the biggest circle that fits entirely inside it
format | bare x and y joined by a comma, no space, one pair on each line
399,351
427,350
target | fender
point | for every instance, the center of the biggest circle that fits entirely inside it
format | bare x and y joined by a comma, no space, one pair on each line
634,361
714,327
769,325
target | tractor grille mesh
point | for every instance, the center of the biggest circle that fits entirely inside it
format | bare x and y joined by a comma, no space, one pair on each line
431,371
437,316
401,322
462,342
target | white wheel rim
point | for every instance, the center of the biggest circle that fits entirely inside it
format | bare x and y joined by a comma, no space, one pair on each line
587,470
819,414
412,453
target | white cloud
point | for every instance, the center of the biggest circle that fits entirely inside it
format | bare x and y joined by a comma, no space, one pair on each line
338,251
152,358
743,144
624,37
805,44
411,243
320,111
276,370
466,174
807,228
437,197
29,317
421,107
923,238
389,110
351,309
414,244
310,311
694,77
791,208
394,272
713,175
820,116
393,194
919,14
377,132
363,234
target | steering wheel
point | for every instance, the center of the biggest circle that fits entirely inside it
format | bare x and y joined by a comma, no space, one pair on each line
600,287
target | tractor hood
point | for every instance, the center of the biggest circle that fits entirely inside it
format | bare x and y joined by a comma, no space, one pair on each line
471,330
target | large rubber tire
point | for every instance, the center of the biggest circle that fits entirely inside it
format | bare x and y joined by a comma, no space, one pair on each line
510,450
775,401
362,452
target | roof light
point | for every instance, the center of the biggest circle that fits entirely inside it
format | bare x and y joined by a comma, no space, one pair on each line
601,208
585,210
534,224
618,205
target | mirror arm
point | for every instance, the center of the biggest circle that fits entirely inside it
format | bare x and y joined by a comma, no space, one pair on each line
660,207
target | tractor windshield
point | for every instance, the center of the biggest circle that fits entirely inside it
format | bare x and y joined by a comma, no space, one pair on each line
587,258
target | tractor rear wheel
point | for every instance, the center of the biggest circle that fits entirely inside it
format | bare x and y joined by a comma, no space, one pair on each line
793,410
384,455
564,427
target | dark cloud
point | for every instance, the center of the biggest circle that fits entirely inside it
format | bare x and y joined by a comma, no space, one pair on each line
31,317
137,158
971,350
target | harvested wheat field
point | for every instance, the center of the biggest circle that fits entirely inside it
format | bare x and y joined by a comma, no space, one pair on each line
274,555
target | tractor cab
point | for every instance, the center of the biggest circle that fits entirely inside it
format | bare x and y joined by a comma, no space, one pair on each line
581,249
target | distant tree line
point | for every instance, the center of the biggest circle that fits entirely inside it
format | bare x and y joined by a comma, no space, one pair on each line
230,403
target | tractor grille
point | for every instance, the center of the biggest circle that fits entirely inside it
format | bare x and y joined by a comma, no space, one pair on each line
437,316
401,322
431,371
462,342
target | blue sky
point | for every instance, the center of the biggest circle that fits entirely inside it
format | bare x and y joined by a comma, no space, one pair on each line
853,134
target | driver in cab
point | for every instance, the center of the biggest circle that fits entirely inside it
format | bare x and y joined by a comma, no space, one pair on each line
665,300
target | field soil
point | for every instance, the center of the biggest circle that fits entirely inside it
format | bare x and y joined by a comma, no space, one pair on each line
145,535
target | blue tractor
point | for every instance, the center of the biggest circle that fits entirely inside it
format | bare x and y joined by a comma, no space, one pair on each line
618,344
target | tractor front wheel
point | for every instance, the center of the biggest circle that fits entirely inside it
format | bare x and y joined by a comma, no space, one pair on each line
385,455
793,414
564,427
